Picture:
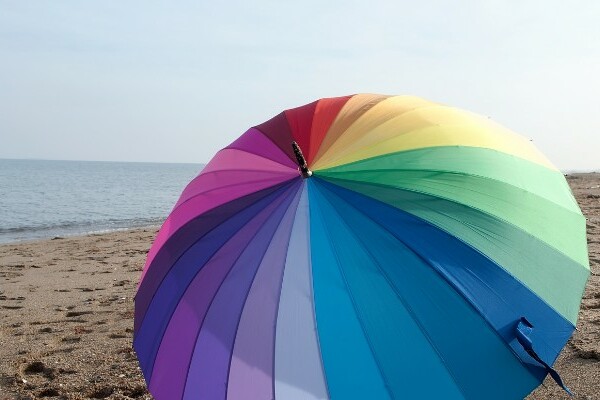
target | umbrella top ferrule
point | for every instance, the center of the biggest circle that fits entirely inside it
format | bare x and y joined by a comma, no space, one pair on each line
303,167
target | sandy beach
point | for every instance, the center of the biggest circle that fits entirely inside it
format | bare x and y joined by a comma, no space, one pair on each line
66,315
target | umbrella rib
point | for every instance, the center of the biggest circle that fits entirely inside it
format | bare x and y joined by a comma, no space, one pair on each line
449,282
260,155
333,161
402,114
361,117
206,313
224,169
327,141
292,202
273,141
312,309
392,286
502,220
276,314
177,206
479,232
183,253
216,293
337,258
228,186
282,185
474,228
442,171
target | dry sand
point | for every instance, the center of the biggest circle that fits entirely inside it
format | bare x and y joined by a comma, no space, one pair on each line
66,315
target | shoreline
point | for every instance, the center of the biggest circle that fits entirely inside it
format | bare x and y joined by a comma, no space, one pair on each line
66,315
61,235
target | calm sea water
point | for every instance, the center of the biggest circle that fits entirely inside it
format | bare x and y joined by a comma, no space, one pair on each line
44,199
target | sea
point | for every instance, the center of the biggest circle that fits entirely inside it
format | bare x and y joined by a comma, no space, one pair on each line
45,199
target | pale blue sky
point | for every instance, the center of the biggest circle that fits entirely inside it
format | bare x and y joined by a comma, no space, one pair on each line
176,81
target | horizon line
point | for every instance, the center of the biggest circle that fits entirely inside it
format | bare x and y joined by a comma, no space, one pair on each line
105,161
565,171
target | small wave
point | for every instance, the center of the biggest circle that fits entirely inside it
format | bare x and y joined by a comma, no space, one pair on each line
73,228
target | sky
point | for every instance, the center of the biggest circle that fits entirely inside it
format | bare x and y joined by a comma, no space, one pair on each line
167,81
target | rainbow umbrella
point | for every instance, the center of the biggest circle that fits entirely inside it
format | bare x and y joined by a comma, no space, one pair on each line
364,247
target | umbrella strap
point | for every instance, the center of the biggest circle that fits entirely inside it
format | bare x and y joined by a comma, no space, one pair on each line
306,173
524,329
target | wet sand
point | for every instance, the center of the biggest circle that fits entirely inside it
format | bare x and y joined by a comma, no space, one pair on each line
66,315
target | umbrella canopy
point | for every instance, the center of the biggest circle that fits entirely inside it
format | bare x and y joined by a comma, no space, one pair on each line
399,248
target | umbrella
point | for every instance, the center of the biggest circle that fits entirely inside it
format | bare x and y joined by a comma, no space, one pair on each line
364,247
